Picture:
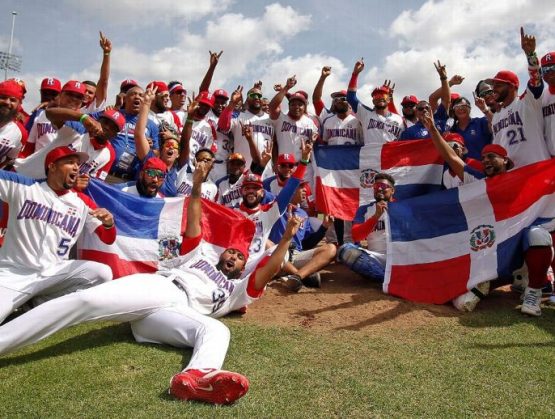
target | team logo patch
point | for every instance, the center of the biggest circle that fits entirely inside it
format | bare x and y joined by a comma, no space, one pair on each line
367,178
168,247
482,237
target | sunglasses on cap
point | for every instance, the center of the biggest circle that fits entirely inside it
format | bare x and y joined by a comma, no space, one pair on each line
155,173
548,69
380,186
255,95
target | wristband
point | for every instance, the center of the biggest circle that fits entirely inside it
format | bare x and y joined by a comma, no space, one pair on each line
106,53
305,162
83,117
190,121
108,228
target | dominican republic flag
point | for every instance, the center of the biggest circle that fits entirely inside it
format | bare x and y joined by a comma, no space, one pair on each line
445,243
149,230
345,173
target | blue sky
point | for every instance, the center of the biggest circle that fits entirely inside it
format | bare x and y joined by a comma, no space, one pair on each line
168,40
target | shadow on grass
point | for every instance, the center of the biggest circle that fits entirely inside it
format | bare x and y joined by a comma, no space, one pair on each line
104,336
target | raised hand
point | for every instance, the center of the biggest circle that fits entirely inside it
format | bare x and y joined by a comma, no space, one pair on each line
456,80
215,57
326,71
237,96
359,66
291,81
527,42
266,154
389,85
441,70
103,215
105,44
149,95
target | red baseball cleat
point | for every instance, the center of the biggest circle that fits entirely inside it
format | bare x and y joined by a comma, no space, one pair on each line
209,385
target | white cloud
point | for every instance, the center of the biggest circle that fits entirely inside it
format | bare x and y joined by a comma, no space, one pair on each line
147,13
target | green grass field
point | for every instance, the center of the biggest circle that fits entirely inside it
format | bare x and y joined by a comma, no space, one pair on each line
492,363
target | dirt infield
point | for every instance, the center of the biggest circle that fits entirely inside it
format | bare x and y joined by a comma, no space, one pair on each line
347,301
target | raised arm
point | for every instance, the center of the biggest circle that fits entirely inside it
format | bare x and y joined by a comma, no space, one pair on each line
444,92
352,90
224,121
194,208
528,44
451,158
205,83
58,116
275,103
265,274
317,94
102,84
185,143
141,142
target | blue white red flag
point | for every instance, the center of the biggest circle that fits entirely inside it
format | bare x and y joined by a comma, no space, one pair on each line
345,174
150,230
445,243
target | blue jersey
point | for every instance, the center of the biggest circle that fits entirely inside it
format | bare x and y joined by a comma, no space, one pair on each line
476,135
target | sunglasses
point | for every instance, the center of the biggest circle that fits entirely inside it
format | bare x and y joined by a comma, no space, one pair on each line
548,69
171,145
408,105
255,96
155,173
379,186
460,106
287,165
485,93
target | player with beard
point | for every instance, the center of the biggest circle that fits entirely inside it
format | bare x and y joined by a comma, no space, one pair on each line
254,116
178,98
408,108
127,165
369,223
178,306
379,125
11,136
151,178
46,219
264,216
518,125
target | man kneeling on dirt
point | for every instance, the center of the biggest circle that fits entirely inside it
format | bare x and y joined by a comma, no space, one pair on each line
306,258
370,223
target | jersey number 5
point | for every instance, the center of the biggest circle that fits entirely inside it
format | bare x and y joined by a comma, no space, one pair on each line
63,247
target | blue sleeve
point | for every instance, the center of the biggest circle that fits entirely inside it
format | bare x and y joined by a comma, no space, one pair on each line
154,133
76,126
31,120
267,182
441,113
285,195
353,100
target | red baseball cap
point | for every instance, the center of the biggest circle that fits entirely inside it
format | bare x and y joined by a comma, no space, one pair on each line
21,82
221,92
176,88
236,156
409,99
206,98
453,137
252,179
50,83
59,152
298,96
506,76
114,116
128,83
11,88
162,86
455,96
75,87
286,158
548,59
339,93
380,90
155,163
499,150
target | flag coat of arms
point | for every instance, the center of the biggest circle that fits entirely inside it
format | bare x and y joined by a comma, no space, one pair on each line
150,230
345,173
443,244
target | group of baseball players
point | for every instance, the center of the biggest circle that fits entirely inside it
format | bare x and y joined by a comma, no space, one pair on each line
242,152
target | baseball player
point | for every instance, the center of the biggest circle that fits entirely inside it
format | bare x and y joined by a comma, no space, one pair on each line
178,306
518,125
262,128
229,186
151,177
379,125
45,221
95,96
50,89
11,136
539,252
209,190
548,100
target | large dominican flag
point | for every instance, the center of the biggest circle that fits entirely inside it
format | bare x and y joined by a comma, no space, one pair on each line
445,243
149,231
345,174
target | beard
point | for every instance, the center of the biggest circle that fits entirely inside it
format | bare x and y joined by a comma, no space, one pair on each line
234,274
6,114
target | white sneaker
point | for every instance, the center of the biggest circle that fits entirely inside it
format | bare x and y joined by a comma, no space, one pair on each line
467,302
520,280
531,302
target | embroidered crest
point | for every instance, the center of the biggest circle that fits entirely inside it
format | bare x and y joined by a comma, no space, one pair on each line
367,178
482,237
168,247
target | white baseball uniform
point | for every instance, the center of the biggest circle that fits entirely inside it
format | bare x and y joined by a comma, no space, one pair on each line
204,135
224,142
176,307
43,225
208,189
291,133
10,142
548,112
379,129
229,195
42,131
337,131
518,127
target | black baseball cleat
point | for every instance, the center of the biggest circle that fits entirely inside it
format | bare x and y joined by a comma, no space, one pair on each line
313,281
